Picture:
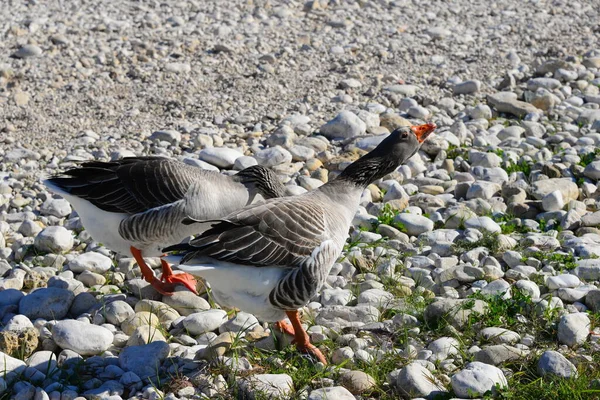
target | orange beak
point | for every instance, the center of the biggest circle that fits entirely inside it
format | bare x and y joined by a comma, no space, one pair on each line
422,132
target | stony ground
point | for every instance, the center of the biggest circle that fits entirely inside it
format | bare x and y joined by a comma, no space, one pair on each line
472,271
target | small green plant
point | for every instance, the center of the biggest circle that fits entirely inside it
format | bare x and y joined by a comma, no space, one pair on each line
522,166
588,158
454,152
387,215
559,261
489,241
509,224
503,311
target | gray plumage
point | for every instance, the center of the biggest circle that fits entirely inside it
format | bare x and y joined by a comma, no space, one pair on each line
296,238
144,199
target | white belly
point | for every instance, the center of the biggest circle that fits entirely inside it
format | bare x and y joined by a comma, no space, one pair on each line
102,225
239,286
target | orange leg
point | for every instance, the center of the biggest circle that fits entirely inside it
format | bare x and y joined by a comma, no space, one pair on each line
301,339
184,278
165,288
285,327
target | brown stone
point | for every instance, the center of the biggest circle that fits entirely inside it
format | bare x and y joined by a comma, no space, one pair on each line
19,344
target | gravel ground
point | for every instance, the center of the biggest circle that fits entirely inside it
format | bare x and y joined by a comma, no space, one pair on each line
471,271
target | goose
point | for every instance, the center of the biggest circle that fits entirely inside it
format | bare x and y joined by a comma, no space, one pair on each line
270,259
135,205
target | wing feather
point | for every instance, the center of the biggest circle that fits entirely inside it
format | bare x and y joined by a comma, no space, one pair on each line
280,232
130,185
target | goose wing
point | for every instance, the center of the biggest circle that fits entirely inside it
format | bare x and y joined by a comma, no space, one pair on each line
130,185
280,232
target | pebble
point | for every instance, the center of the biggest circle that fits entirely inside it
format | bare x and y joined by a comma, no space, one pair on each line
54,239
222,157
476,379
145,360
345,125
414,224
573,329
28,51
205,321
273,156
554,363
357,382
84,339
334,392
467,87
92,261
47,303
269,385
414,380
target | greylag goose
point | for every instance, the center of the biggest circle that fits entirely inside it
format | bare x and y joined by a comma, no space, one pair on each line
270,259
136,205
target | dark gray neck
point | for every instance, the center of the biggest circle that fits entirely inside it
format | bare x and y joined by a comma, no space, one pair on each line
366,170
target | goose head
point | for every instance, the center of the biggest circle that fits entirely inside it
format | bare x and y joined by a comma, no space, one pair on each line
261,180
392,152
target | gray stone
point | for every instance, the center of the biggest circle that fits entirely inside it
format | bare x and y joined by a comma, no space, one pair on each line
57,207
273,156
499,354
592,170
54,239
91,261
467,87
205,321
84,339
573,329
554,363
329,393
222,157
117,311
171,136
476,379
47,303
335,296
414,224
453,311
483,224
272,386
242,322
414,380
506,102
345,125
500,335
566,186
483,190
145,360
186,302
28,51
562,281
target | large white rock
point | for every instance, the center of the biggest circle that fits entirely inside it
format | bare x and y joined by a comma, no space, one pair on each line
222,157
573,329
345,125
330,393
562,281
204,321
54,239
84,339
91,261
554,363
414,380
268,385
476,379
442,348
414,224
